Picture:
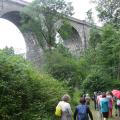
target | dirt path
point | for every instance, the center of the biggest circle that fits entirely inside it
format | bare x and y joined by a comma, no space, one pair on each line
96,116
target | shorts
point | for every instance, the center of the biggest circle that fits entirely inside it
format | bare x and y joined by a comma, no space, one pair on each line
105,114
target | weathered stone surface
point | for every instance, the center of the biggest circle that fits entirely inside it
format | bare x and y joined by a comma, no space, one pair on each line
10,10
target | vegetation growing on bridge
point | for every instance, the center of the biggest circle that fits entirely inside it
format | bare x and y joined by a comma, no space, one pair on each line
45,19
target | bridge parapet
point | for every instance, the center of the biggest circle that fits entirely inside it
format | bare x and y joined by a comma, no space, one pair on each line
7,6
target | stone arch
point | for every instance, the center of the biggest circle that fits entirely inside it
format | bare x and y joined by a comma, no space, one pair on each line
75,42
13,16
33,50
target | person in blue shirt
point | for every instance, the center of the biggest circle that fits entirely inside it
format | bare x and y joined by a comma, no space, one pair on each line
104,106
82,111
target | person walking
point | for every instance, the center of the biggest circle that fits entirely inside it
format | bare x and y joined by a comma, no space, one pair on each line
110,99
66,112
118,106
87,99
82,111
94,98
115,105
99,97
104,106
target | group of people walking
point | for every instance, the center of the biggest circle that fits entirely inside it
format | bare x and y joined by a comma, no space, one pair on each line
103,103
82,111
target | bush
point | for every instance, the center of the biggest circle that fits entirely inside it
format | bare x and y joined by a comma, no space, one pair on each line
26,93
97,80
64,67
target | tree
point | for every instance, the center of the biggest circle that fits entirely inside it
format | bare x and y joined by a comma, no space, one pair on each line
45,18
109,11
103,58
97,80
9,51
89,18
64,67
95,37
109,54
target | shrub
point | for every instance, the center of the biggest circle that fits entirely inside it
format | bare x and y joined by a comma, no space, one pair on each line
26,93
64,67
97,80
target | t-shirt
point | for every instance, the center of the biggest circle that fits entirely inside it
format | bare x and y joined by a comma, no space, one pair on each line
104,105
66,110
98,99
65,106
110,99
82,112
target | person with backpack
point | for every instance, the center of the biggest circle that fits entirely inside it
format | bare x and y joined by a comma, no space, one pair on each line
63,109
82,111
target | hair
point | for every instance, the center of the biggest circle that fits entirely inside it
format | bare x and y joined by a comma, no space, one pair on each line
99,93
111,94
107,93
66,97
82,100
103,95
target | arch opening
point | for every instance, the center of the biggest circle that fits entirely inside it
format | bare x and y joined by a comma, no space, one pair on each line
73,41
11,37
30,45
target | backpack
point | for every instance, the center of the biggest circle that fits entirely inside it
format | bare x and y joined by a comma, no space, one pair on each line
58,111
82,112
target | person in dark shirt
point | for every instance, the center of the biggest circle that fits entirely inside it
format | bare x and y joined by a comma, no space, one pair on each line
95,100
82,111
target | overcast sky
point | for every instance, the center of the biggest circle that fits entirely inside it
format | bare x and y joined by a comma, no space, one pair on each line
11,36
80,8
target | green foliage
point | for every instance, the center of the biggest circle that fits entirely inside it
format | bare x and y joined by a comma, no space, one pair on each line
110,50
95,37
43,16
65,67
76,97
65,30
109,11
103,58
9,51
97,80
26,93
89,18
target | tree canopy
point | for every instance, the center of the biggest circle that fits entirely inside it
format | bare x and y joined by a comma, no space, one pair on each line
109,11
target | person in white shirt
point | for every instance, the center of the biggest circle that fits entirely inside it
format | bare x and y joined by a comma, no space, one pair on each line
66,108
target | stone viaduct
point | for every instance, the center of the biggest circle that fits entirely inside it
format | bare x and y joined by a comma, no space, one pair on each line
10,10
